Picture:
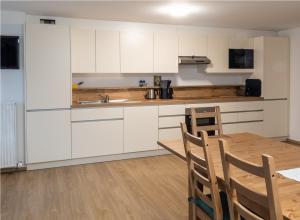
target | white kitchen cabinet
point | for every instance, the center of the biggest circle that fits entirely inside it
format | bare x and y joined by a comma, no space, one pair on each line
241,43
168,122
217,52
48,136
276,118
251,127
192,44
97,138
165,52
170,134
83,50
167,110
89,114
140,128
272,65
48,75
107,51
136,51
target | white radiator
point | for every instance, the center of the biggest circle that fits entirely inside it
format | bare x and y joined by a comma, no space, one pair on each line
8,131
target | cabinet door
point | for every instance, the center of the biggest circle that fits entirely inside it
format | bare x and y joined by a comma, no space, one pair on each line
48,136
165,52
276,118
276,67
94,138
48,76
241,43
140,128
107,51
136,52
217,52
192,44
83,50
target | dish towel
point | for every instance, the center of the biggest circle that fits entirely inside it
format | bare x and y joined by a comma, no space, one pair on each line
293,174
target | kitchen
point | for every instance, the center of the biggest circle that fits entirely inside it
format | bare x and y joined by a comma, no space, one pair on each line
105,95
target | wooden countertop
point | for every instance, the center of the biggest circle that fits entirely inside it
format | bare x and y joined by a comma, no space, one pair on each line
250,147
174,101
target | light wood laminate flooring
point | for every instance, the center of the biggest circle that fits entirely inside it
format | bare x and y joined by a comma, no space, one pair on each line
153,188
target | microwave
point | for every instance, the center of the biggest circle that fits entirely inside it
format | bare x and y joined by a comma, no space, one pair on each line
241,59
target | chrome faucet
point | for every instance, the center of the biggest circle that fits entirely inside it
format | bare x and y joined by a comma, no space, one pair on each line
104,99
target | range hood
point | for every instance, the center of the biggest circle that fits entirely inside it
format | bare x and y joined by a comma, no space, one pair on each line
193,60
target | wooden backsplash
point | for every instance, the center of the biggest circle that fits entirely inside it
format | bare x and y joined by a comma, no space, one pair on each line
138,93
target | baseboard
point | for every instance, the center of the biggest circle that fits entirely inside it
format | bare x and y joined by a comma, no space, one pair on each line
71,162
13,169
293,141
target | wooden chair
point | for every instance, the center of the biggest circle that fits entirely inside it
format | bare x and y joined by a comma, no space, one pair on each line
201,173
243,201
206,112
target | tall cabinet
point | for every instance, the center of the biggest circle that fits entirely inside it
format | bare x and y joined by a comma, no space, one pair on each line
272,67
48,93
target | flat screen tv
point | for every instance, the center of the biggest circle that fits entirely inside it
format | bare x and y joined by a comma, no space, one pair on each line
10,52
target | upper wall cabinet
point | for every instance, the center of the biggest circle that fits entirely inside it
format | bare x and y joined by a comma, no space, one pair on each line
241,43
165,52
83,50
272,66
136,51
48,75
107,51
192,44
217,52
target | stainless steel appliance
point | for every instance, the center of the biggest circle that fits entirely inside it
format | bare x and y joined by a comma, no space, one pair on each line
151,94
166,92
241,59
194,60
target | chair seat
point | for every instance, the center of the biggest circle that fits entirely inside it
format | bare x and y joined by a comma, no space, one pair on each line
210,211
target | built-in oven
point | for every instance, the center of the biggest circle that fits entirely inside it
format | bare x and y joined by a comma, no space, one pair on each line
241,59
200,122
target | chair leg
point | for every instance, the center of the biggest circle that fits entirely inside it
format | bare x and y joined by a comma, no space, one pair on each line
191,208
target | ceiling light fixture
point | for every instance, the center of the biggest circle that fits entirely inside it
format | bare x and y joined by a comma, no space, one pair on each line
179,9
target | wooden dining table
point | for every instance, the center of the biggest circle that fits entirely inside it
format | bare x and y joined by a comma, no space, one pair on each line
250,147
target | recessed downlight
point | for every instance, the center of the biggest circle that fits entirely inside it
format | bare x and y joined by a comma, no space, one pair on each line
179,9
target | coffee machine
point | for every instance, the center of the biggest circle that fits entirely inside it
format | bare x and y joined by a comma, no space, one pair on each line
165,91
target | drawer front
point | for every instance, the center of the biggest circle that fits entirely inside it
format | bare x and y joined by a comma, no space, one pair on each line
174,121
171,110
96,113
94,138
170,134
251,127
251,116
229,117
232,106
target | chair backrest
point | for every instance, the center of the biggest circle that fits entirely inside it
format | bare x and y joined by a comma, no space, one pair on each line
206,112
244,201
201,174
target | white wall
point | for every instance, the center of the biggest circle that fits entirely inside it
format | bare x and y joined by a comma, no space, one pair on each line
12,81
294,35
188,75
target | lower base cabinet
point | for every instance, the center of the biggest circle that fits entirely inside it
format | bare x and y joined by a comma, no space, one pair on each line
276,118
48,136
97,138
251,127
140,128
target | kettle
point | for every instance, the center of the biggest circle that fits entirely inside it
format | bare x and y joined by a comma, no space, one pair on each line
151,94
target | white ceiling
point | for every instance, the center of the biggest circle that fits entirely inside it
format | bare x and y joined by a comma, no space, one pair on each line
248,15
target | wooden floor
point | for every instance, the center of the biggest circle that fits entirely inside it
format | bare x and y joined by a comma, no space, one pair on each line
139,189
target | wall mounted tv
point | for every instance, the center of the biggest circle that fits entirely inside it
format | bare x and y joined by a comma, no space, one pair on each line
10,57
